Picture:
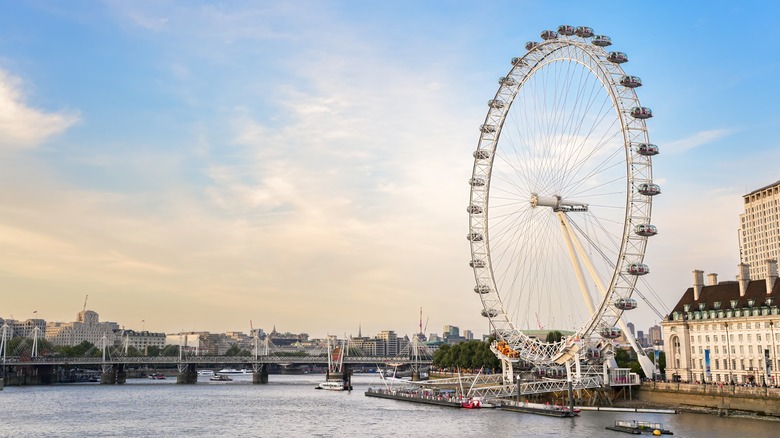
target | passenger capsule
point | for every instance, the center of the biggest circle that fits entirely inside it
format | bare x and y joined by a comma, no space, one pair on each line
486,129
489,313
610,332
482,289
481,154
617,57
601,41
476,182
565,29
647,149
625,304
583,31
477,263
474,209
641,112
638,269
649,189
496,103
518,61
474,237
530,45
549,35
630,81
507,81
645,230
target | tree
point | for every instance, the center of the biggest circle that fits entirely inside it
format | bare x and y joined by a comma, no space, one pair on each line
170,350
554,336
234,350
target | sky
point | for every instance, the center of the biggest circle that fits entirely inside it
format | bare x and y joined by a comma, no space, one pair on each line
303,165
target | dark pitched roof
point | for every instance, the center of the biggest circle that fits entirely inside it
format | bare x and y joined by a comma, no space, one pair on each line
761,189
726,291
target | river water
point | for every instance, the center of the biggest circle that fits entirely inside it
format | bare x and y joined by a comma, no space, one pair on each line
289,406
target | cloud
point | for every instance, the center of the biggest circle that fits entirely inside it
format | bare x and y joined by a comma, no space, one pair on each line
696,140
22,126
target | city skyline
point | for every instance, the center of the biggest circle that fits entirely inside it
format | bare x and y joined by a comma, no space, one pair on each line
198,167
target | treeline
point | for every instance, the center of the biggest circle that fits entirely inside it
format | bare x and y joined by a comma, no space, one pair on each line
466,355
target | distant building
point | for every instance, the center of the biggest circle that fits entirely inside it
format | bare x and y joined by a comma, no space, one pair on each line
287,339
200,343
24,329
140,340
630,326
655,335
391,342
759,232
468,334
87,327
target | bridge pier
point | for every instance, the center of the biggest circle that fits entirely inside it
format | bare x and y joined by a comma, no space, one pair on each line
116,375
108,377
188,376
260,377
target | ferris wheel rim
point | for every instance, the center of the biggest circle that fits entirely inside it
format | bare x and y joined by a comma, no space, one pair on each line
523,70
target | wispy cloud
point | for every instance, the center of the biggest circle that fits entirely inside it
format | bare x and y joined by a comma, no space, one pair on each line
22,126
698,139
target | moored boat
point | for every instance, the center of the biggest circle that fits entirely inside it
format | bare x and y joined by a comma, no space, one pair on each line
221,378
333,385
233,371
206,373
637,427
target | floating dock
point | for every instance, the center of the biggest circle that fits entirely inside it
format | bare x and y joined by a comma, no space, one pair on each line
539,409
414,398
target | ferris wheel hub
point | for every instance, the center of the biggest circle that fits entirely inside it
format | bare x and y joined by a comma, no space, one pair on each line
557,203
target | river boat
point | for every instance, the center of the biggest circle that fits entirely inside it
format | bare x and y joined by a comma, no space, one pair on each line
156,376
541,409
206,373
637,427
233,371
471,404
332,385
221,378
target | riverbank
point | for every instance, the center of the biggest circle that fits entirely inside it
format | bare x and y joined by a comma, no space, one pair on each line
732,401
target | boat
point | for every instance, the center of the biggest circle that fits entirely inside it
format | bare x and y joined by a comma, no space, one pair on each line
206,373
471,404
541,409
333,385
221,378
233,371
157,376
637,427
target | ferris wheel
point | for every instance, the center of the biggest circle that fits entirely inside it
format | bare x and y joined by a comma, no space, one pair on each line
561,196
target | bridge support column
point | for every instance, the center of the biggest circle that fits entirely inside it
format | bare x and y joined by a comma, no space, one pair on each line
108,377
121,375
260,376
189,376
416,376
347,376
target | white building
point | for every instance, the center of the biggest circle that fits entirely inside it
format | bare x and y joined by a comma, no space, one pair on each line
759,238
726,331
141,340
87,327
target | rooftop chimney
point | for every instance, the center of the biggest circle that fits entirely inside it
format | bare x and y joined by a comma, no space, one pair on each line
712,279
743,278
771,275
698,283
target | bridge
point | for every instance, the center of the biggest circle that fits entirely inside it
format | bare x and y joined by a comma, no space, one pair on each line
42,369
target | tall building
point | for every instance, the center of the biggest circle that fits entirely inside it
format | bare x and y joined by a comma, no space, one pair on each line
87,327
759,233
655,335
630,326
391,341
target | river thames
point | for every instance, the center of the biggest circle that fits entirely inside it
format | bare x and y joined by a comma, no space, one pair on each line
289,406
